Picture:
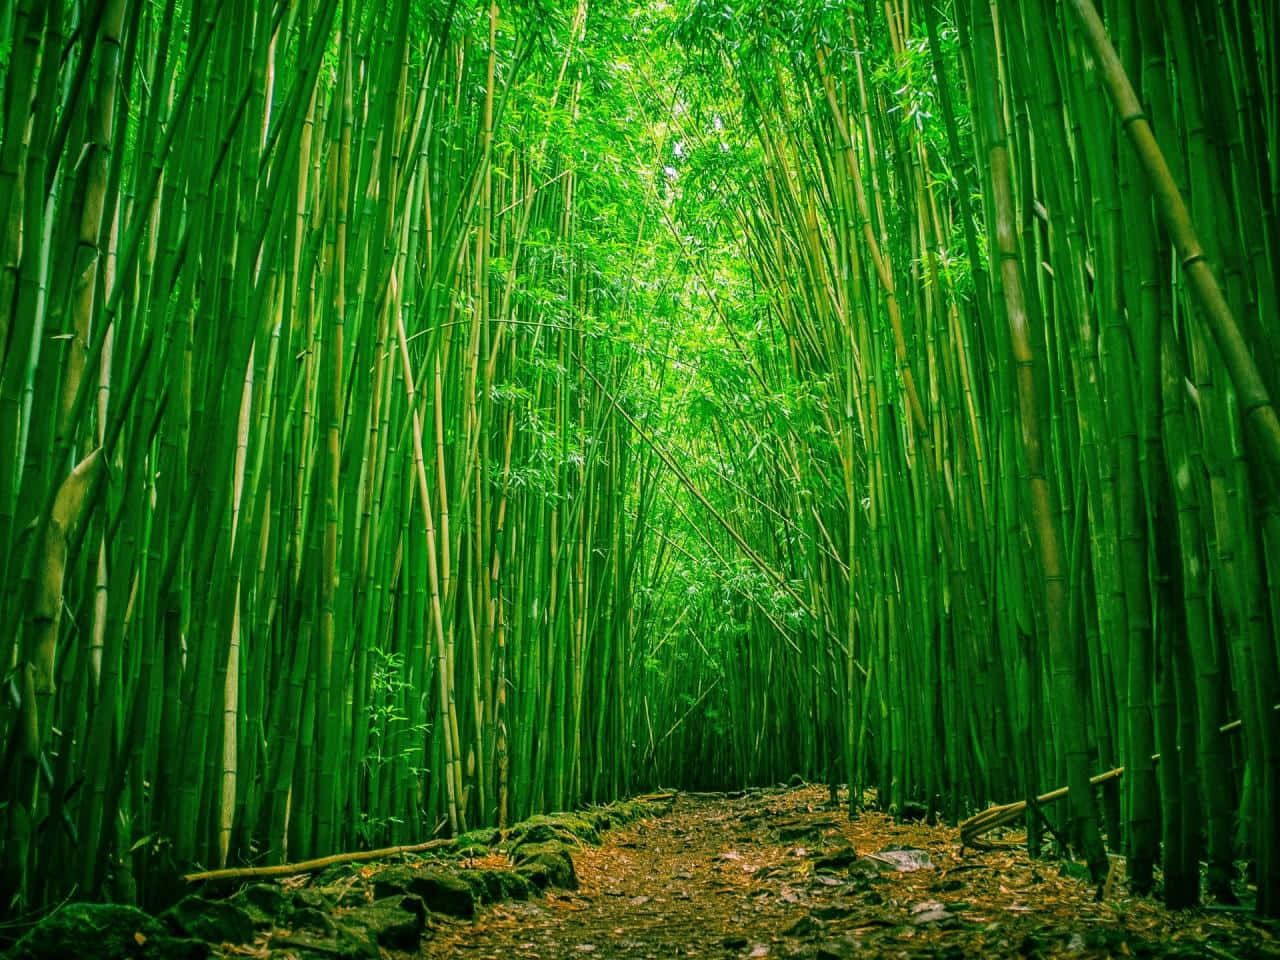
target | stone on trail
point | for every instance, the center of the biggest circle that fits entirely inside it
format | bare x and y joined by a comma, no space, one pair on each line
836,859
841,949
791,832
804,926
930,911
903,860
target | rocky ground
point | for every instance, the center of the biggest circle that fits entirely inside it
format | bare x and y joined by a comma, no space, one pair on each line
769,873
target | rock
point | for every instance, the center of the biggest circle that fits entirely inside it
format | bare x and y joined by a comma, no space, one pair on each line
345,894
441,892
104,931
833,911
802,927
333,874
930,911
802,830
346,946
309,918
867,868
568,828
313,898
903,860
264,903
478,838
216,921
841,949
1076,871
394,922
492,886
913,811
546,865
836,859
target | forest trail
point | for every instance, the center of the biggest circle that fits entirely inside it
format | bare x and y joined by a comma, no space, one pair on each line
780,873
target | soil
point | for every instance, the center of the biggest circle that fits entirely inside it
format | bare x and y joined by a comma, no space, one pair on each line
780,873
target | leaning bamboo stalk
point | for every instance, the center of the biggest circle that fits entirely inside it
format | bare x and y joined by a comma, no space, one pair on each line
1255,401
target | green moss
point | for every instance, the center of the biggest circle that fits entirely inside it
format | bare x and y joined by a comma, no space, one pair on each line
104,931
217,921
570,828
478,838
493,886
546,865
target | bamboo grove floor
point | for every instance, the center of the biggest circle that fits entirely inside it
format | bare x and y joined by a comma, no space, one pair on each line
779,873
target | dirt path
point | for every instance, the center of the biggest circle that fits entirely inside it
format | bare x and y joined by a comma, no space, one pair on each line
779,874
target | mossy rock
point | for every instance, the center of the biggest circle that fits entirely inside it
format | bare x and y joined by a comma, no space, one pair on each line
347,945
569,828
627,811
105,931
546,865
309,918
395,922
262,901
313,898
346,893
216,921
441,892
494,886
478,838
309,909
334,874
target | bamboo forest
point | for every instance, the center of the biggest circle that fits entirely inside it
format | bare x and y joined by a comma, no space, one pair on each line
717,478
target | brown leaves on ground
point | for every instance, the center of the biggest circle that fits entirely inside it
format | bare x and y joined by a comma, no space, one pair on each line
778,874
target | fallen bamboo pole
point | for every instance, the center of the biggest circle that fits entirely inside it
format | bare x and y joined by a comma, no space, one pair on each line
1006,813
311,866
